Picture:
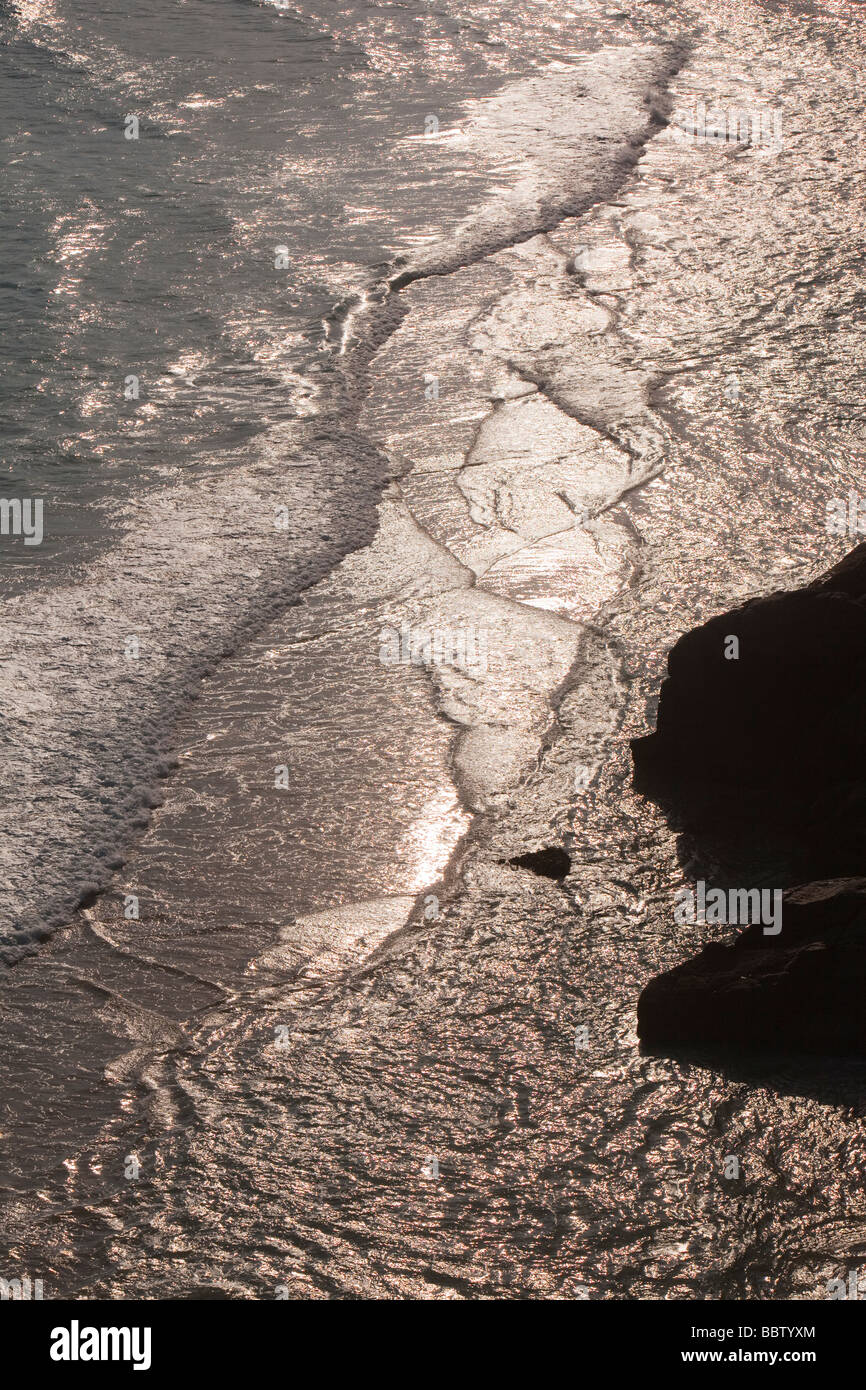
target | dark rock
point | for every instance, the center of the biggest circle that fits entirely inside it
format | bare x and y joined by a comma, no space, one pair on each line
801,991
548,863
761,762
808,999
776,737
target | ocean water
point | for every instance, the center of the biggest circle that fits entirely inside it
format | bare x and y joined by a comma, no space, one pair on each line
178,395
444,321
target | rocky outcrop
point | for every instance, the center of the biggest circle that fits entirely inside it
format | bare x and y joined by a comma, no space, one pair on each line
759,759
802,991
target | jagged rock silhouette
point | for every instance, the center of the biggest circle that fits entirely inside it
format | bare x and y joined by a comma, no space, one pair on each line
759,758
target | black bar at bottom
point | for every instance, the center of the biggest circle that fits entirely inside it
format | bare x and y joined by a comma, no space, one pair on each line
152,1338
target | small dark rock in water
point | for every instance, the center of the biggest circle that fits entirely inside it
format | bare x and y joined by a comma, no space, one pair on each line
761,741
549,863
